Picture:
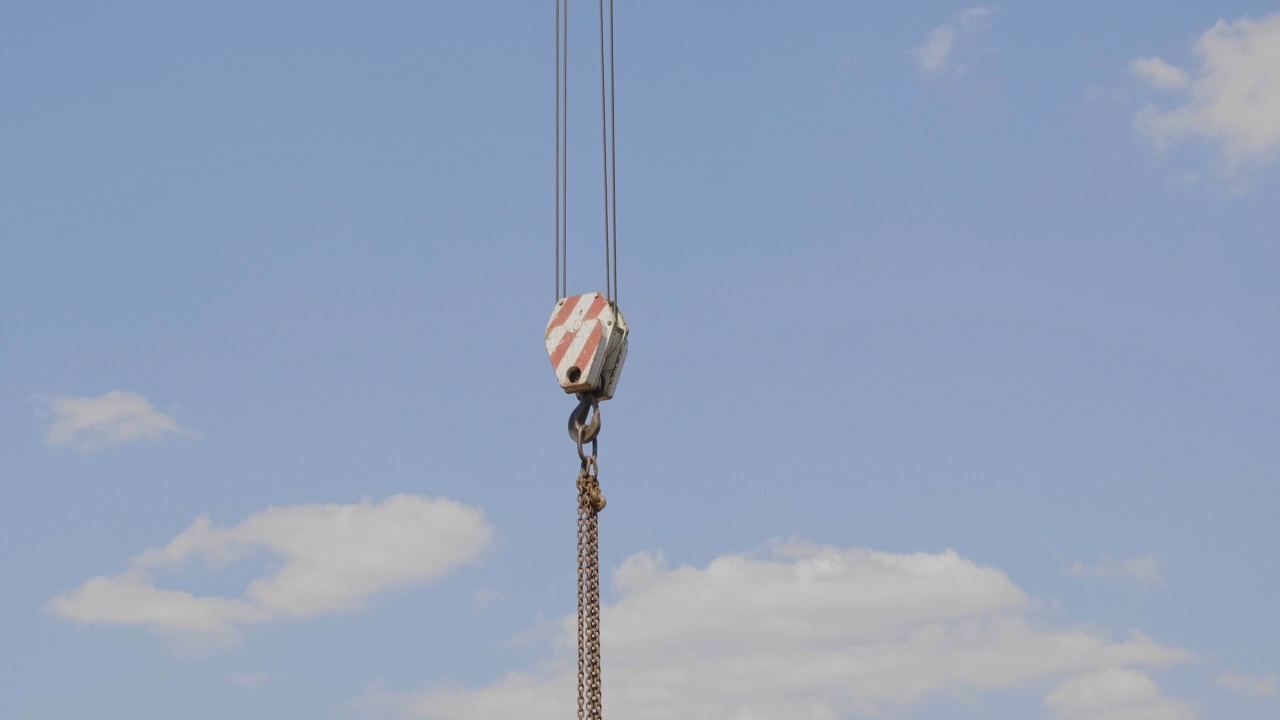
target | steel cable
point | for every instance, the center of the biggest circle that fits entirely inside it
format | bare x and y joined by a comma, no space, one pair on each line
557,182
604,155
613,153
562,149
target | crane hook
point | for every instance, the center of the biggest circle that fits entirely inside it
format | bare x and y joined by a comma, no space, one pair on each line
584,425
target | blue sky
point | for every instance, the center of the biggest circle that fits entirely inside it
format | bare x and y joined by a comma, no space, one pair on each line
951,389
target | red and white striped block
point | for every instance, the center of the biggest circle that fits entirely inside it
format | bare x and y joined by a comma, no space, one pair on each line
587,343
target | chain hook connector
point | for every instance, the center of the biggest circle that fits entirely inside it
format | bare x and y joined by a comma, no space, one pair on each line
589,485
588,459
584,421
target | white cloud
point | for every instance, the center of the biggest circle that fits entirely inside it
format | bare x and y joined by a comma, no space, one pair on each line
799,632
89,424
1158,73
1255,686
336,556
1146,569
937,52
1234,98
1115,694
130,598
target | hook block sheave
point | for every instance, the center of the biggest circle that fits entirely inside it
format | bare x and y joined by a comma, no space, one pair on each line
587,343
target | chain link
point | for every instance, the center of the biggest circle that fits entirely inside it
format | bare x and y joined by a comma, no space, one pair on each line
590,503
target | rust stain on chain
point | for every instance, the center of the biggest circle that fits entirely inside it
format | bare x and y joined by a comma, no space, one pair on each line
590,503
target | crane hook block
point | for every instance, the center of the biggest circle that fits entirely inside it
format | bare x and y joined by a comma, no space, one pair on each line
587,342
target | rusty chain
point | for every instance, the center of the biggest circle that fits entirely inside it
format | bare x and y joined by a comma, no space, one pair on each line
590,502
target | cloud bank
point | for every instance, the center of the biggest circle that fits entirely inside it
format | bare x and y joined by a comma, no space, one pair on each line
336,557
804,632
90,424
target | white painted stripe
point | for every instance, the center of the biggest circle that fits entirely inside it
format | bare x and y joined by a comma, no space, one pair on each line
571,357
584,304
554,336
573,319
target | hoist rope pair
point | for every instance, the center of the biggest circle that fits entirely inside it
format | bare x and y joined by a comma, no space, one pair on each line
609,151
609,154
584,422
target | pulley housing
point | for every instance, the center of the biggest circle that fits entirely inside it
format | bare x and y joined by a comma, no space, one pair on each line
587,343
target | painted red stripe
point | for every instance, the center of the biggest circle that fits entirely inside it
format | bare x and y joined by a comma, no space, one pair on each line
589,349
588,352
558,353
562,314
597,307
593,311
562,318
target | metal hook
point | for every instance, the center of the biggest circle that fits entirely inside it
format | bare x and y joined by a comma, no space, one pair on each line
584,425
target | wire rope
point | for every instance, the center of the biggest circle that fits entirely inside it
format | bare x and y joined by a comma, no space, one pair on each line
562,149
604,156
609,150
613,151
557,181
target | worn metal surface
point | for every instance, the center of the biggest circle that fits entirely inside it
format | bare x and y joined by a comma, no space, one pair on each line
587,342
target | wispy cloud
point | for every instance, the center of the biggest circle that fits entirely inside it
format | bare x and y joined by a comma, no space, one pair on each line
1115,694
1146,569
247,679
937,53
1233,99
336,556
483,597
1159,73
89,424
798,631
1250,685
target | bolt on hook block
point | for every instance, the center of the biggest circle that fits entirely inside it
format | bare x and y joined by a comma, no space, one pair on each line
587,343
